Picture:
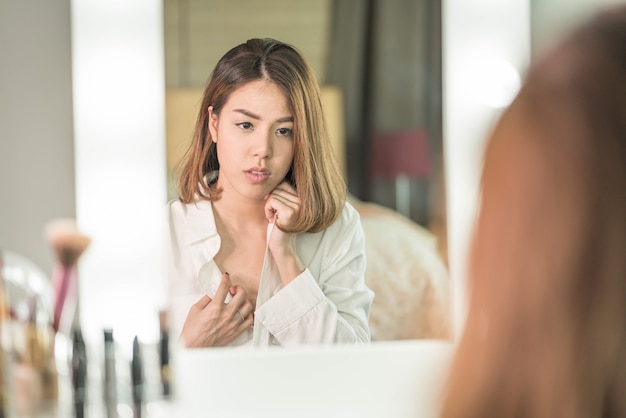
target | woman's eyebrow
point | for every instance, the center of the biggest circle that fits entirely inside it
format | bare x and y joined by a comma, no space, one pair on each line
257,117
248,113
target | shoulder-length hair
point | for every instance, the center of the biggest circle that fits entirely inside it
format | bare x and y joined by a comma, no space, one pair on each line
314,171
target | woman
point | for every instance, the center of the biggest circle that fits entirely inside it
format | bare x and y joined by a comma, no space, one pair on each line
265,250
545,334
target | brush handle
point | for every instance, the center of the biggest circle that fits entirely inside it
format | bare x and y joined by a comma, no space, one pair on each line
62,281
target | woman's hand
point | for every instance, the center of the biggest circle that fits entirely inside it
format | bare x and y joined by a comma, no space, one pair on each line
281,207
214,323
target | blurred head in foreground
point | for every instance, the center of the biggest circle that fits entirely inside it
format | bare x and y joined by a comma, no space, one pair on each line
546,328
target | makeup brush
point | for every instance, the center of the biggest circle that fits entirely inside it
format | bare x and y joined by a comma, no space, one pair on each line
4,382
68,244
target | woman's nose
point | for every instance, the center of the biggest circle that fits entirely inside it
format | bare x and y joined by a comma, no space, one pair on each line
263,145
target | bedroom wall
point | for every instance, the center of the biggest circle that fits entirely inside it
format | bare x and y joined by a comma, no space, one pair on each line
199,32
36,133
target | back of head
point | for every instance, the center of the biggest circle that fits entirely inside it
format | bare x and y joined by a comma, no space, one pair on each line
545,333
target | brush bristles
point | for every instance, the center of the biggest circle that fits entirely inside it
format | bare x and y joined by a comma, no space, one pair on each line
67,242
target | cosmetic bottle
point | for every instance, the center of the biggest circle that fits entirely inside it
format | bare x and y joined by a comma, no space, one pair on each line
164,356
110,375
79,373
137,379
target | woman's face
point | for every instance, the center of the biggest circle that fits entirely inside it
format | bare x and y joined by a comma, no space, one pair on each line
254,138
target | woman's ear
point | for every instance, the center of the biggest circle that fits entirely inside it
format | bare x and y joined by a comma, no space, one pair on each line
212,124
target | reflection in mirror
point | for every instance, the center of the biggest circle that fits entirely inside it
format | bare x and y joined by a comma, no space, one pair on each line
380,78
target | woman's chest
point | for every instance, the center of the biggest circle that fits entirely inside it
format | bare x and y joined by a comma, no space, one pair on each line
243,261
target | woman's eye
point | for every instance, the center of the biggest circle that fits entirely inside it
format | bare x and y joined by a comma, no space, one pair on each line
245,125
284,132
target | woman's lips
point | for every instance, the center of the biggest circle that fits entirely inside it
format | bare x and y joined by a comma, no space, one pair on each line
256,176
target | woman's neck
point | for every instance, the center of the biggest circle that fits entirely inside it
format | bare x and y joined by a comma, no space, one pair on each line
239,214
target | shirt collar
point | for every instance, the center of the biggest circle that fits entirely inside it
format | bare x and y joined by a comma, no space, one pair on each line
200,223
201,235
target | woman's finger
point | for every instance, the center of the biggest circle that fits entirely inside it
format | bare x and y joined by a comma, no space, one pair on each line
239,296
222,290
280,202
245,316
270,211
286,193
240,305
246,308
202,303
275,208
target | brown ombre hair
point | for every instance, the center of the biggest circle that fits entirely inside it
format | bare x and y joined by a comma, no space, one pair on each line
545,334
314,172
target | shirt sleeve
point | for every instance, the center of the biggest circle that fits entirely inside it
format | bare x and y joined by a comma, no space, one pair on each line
331,305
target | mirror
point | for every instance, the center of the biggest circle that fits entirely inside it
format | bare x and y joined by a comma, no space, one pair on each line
379,67
30,91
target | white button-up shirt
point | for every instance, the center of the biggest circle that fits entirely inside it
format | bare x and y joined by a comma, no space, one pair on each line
327,303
